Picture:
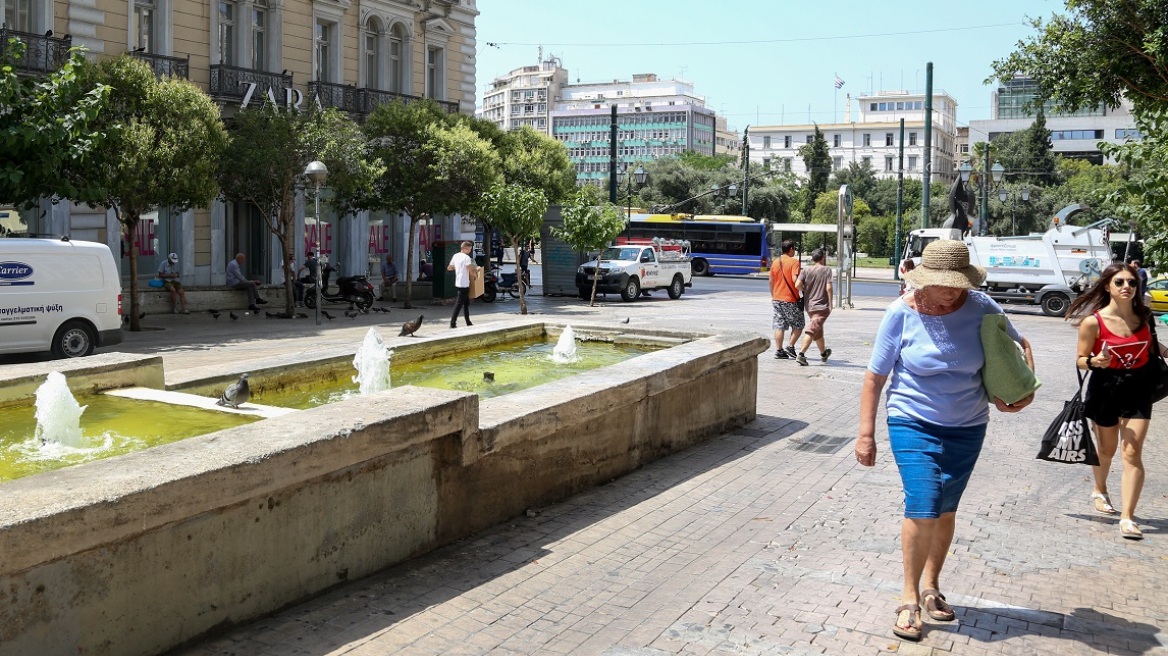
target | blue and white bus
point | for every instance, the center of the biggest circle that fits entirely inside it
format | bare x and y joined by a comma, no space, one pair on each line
718,243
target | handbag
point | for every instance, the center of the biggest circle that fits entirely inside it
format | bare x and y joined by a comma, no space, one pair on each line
156,283
1068,438
800,301
1005,374
1159,376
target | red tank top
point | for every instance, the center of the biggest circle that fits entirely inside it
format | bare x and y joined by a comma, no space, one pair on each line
1126,352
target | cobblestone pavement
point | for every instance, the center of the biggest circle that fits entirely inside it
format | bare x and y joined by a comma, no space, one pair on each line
766,540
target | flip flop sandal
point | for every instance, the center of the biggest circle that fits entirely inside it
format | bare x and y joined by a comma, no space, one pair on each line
936,607
1130,530
1103,504
913,630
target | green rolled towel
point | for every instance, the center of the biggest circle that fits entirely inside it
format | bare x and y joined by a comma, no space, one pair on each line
1006,374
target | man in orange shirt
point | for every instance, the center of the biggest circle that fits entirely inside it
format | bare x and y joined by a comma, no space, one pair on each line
785,301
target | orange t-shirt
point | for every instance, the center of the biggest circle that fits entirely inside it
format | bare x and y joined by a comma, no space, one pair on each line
783,274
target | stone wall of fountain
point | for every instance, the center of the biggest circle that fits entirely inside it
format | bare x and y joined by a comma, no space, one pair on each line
137,554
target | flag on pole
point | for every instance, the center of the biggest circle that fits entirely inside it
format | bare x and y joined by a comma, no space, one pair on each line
839,83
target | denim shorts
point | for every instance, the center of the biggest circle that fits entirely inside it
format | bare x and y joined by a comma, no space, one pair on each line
934,462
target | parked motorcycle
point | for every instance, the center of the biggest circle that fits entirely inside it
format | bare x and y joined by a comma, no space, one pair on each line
494,282
356,290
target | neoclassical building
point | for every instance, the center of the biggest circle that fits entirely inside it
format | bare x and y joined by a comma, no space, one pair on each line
349,54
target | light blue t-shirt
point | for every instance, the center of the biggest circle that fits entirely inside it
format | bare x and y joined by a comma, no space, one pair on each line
935,362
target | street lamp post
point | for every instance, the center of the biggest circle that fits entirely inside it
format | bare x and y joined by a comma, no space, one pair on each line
637,177
317,173
988,181
1004,195
731,191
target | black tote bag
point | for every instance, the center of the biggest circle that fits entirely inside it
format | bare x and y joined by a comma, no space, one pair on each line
1159,377
1068,438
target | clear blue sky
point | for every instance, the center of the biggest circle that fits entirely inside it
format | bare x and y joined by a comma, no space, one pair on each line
765,62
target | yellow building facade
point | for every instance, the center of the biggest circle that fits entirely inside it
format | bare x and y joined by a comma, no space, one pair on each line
349,54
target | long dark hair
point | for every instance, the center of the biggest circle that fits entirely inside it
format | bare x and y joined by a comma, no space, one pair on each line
1097,297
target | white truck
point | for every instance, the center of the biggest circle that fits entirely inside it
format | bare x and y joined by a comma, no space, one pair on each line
1048,269
635,269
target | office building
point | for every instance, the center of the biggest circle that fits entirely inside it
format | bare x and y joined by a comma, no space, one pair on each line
525,96
335,53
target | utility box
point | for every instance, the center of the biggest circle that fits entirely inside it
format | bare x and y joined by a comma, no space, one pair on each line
440,254
558,260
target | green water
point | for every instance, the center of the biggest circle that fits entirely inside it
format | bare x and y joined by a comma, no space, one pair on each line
516,366
111,426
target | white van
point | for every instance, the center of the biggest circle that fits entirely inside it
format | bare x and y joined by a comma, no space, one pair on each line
58,295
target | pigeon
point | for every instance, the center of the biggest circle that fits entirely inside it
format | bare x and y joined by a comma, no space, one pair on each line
125,318
234,316
214,315
268,314
213,311
351,315
142,315
410,327
626,320
327,315
236,393
301,315
488,376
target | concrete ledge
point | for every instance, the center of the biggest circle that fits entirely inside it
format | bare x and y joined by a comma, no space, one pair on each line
201,299
96,373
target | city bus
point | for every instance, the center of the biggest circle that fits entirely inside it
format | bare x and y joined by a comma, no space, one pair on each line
718,243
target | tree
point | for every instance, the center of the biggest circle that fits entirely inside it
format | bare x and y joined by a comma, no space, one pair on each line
1144,200
695,160
590,225
517,212
860,177
47,128
817,159
163,140
826,213
264,166
433,165
534,160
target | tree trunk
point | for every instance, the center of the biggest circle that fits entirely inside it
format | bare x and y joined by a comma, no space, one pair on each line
289,308
410,262
131,226
519,277
595,280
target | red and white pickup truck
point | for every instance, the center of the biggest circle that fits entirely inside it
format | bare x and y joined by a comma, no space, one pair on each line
635,269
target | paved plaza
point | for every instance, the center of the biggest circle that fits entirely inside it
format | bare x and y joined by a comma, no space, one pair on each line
767,540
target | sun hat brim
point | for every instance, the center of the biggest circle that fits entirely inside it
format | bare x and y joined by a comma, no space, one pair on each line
970,277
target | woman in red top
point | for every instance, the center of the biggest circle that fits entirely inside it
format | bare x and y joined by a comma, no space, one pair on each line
1115,344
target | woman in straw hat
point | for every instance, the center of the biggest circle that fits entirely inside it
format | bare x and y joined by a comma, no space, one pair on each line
929,348
1114,340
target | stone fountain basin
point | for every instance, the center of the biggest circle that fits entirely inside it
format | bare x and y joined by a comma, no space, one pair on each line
140,553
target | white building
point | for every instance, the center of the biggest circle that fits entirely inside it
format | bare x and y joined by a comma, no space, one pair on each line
874,138
1075,135
524,96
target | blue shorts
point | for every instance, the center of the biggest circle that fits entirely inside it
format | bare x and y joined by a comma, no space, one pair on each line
934,462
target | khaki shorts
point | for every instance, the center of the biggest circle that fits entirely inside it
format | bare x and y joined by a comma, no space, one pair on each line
815,325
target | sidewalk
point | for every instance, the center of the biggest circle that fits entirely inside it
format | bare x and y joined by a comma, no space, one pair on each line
767,540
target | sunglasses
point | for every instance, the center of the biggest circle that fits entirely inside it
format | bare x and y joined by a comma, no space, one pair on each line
1131,282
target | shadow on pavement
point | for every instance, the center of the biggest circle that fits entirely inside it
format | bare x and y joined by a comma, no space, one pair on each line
1095,629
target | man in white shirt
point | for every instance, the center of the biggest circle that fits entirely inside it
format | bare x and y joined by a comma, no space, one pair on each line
464,269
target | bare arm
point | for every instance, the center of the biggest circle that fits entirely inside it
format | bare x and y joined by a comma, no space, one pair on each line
869,399
1088,333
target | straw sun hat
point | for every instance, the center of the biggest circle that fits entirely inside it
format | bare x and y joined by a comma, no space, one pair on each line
946,264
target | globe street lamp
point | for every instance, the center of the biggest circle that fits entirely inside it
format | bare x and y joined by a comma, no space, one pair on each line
730,191
1003,195
989,177
317,173
638,177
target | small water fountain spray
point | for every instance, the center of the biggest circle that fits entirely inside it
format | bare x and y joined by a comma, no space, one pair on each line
58,414
372,363
565,349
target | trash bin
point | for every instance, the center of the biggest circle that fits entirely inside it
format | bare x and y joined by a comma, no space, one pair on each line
440,254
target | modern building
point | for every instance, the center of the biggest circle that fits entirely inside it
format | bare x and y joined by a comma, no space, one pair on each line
1073,134
525,96
726,141
874,137
336,53
655,118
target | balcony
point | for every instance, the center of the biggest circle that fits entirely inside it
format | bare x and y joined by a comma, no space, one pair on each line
235,83
42,54
344,97
371,98
166,66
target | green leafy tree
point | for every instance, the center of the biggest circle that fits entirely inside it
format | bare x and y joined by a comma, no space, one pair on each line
860,177
517,212
695,160
264,166
825,213
875,235
1144,199
433,165
590,224
47,128
534,160
163,140
817,159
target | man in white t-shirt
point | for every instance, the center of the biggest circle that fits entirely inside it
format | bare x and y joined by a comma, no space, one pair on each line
464,269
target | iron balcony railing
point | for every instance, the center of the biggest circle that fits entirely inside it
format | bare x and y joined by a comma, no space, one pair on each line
374,97
235,83
43,53
166,66
344,97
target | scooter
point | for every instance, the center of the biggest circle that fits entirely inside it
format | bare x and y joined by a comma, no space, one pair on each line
356,290
494,282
